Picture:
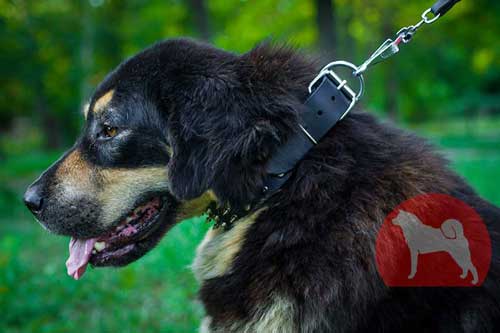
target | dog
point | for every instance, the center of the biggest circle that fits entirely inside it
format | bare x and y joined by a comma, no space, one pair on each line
422,239
182,126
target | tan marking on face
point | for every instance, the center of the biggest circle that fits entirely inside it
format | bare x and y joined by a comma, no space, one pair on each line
75,174
103,101
72,163
120,189
74,178
216,253
116,191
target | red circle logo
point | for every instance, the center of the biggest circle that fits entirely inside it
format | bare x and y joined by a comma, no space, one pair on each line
433,240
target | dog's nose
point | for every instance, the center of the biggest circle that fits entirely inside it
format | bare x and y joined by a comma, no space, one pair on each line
33,199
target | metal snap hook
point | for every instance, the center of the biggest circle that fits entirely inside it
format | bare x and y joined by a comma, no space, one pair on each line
429,20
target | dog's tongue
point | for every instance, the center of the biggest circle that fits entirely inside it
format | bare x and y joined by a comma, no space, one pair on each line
79,255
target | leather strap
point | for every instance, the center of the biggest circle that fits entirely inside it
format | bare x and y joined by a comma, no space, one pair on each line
326,105
443,6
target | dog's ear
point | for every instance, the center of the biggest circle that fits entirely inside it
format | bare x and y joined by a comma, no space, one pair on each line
233,121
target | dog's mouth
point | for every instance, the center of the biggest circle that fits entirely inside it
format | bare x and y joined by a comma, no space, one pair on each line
133,236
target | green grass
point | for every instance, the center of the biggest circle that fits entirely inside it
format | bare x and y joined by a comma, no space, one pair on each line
473,147
482,171
157,293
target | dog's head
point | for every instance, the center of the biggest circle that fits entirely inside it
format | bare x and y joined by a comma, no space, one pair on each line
404,218
170,130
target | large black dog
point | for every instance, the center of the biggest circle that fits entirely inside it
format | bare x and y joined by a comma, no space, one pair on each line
183,125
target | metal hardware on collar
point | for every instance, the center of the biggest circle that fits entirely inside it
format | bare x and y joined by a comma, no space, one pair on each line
309,136
342,83
221,216
391,47
405,35
429,20
387,49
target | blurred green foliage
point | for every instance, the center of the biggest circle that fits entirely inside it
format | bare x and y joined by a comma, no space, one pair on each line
445,84
53,52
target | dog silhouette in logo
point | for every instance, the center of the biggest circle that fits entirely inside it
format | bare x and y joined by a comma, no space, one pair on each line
422,239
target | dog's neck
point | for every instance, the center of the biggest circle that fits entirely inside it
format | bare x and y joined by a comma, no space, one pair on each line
326,105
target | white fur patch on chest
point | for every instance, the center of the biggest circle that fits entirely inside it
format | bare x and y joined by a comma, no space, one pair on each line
215,257
277,317
217,251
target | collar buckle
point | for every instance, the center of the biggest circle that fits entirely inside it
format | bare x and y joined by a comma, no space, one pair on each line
340,83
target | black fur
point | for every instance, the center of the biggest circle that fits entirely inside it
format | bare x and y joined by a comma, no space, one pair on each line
224,115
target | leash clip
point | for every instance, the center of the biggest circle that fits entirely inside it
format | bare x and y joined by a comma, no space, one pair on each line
391,47
386,50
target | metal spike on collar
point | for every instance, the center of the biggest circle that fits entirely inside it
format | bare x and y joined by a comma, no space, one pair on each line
221,216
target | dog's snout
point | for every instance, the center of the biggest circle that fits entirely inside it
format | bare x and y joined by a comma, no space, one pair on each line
33,198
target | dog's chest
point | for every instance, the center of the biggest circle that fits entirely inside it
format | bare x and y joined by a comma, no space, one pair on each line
216,253
215,257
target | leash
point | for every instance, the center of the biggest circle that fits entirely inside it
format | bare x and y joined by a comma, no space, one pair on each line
389,47
330,100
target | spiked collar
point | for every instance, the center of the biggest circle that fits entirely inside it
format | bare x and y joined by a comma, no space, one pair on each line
222,216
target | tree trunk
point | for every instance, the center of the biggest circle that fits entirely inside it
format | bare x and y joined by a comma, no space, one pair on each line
325,19
201,19
86,52
346,48
50,123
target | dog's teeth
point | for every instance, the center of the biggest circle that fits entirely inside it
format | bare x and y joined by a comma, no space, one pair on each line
99,246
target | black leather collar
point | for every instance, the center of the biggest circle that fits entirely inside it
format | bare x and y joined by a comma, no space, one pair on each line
325,107
328,103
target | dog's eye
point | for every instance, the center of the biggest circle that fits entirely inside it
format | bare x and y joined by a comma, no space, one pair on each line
109,131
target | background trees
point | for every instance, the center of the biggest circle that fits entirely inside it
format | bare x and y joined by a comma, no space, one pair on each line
54,52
